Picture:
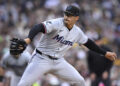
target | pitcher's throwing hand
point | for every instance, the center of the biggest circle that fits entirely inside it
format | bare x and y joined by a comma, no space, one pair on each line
111,55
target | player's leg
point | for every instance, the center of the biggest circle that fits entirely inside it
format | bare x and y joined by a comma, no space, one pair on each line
68,73
35,70
10,77
14,80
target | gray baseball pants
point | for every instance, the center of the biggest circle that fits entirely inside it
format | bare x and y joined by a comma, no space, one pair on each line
41,64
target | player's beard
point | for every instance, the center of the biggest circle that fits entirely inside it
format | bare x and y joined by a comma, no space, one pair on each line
68,24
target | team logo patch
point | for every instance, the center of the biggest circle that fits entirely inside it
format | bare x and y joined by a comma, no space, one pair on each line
62,40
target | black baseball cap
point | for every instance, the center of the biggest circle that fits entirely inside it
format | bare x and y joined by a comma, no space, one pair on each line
72,10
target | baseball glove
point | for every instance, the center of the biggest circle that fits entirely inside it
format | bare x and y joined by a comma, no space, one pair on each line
17,46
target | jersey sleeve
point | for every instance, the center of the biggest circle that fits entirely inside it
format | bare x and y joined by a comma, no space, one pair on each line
50,25
82,38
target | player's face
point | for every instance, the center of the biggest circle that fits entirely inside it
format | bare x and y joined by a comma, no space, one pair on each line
70,20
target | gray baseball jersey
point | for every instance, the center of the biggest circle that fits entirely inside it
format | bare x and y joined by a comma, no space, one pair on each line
55,42
58,38
17,65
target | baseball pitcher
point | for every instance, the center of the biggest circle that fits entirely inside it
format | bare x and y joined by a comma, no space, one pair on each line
58,35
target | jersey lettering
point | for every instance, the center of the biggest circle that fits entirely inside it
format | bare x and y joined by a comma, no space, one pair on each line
61,40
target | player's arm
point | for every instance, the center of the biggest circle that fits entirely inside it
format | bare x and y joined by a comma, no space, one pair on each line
21,44
91,45
34,31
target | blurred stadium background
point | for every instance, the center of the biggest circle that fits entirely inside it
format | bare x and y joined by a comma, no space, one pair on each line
97,17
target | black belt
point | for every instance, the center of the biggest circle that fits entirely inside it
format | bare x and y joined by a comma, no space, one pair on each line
46,55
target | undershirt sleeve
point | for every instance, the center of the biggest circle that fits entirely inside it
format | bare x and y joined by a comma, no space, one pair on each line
91,45
35,30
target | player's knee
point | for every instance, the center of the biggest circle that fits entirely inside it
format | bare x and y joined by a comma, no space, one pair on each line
80,81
